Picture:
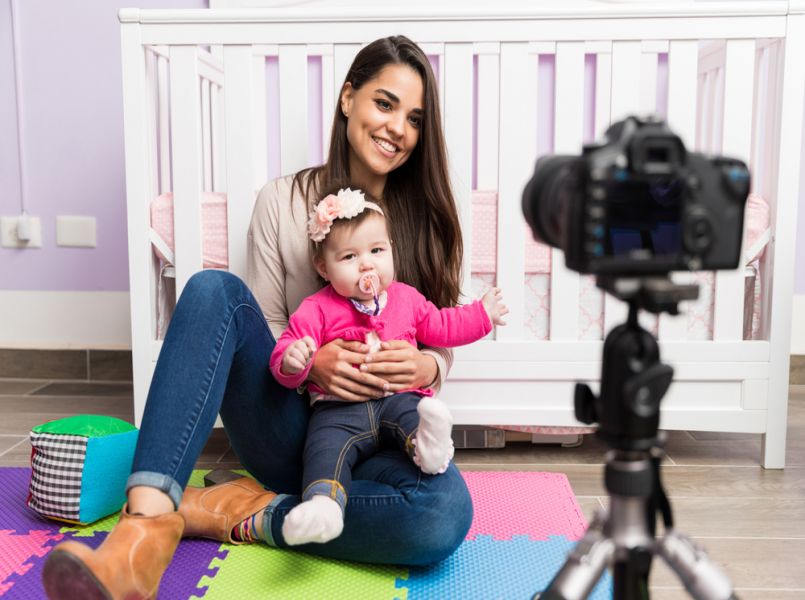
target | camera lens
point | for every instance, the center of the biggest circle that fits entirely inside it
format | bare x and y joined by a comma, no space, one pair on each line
546,198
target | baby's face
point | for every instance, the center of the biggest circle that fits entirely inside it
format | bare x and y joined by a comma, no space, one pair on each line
351,253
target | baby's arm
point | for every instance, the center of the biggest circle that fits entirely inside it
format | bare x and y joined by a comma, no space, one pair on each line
493,305
306,323
298,355
458,325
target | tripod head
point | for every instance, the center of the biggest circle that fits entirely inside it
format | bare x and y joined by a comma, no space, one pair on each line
633,380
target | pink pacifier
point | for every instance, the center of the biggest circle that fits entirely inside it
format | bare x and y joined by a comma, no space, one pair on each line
369,284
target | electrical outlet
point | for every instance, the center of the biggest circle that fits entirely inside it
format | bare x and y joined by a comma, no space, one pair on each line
78,232
8,233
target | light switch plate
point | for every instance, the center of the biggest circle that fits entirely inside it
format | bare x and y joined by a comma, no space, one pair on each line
78,232
8,233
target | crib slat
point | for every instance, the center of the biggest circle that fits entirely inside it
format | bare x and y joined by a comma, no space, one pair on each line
343,55
739,73
259,117
206,135
164,130
682,75
488,109
626,60
568,138
151,119
603,90
239,64
648,78
293,108
186,160
328,97
218,139
518,146
458,127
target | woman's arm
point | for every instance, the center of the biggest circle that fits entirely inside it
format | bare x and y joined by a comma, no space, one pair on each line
265,271
406,367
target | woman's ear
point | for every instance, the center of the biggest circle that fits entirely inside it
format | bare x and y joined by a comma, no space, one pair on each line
347,93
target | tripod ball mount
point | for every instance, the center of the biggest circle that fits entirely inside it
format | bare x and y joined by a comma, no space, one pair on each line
633,382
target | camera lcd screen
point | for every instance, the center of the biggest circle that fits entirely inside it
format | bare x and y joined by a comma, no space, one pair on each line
643,219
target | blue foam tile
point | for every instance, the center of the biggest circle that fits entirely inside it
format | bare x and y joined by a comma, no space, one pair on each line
486,568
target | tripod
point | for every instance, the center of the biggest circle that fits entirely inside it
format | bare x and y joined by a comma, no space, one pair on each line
633,382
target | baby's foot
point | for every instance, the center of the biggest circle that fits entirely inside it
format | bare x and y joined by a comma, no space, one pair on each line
318,520
433,442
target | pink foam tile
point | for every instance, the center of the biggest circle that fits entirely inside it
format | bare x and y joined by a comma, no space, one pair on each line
538,505
17,549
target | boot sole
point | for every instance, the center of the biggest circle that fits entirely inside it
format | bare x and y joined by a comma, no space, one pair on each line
66,577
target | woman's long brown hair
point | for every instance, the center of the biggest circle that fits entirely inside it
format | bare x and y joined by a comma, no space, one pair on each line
424,221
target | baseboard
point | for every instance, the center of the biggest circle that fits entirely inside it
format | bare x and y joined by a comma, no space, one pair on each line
83,365
65,320
797,372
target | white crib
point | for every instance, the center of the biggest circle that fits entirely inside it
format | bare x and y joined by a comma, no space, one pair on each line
220,100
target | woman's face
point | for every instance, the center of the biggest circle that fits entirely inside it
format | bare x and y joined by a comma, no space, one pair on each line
383,121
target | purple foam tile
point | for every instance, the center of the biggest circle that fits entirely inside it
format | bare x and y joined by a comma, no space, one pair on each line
14,512
190,563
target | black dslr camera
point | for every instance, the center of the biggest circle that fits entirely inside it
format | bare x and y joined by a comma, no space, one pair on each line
637,203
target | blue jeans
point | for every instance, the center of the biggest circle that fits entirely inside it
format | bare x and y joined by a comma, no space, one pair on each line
214,359
342,434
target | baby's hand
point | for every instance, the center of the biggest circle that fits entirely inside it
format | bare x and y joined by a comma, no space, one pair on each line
493,304
298,355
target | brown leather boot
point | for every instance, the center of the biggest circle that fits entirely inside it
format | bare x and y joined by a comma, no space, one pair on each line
212,512
127,565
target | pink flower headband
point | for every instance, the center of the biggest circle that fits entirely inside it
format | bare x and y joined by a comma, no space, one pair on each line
343,205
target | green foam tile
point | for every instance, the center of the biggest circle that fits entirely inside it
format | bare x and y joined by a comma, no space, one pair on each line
258,571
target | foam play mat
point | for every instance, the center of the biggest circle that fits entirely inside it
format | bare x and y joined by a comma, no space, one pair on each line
525,524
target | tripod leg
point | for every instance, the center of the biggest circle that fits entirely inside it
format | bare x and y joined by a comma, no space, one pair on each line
702,579
583,567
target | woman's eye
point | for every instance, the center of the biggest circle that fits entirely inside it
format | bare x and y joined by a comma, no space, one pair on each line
415,121
383,104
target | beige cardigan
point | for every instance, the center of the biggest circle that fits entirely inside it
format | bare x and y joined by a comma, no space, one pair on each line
279,271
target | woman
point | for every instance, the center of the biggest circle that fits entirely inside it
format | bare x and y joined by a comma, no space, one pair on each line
387,139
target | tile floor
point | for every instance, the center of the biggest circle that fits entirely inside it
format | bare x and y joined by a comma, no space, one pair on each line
751,521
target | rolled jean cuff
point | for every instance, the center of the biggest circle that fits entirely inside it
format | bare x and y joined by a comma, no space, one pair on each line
160,481
268,514
327,487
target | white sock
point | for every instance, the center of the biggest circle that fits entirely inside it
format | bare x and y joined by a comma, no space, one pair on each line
433,442
318,520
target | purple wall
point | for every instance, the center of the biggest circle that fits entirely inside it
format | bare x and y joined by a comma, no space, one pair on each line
73,139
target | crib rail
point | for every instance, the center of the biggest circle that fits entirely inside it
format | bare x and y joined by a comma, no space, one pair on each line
223,100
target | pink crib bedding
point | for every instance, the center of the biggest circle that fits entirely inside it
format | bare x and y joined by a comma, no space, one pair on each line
484,255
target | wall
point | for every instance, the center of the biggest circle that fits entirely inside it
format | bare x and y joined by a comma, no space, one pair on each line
73,156
72,125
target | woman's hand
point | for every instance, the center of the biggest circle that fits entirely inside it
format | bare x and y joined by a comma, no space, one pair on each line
334,372
402,365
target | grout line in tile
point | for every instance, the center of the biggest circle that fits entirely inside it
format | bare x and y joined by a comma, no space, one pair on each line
7,450
33,391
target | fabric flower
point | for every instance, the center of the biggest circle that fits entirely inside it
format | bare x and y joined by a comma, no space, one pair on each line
346,204
352,201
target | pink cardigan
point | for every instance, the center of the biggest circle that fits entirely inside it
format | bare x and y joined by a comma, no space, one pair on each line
408,316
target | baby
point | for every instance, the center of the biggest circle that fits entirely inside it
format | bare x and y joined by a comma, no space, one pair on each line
353,253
